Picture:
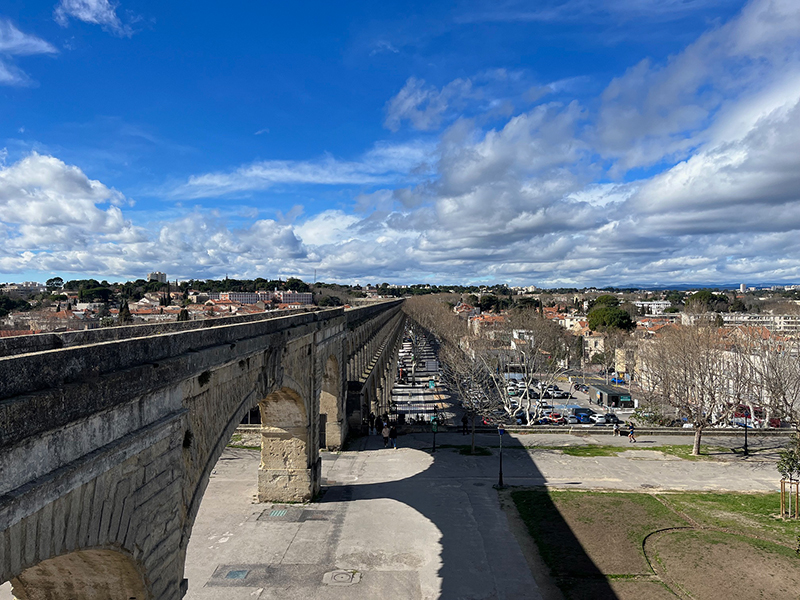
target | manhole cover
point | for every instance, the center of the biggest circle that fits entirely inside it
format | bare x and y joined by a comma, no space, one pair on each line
237,574
341,578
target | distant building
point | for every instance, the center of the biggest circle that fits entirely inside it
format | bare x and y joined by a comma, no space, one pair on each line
788,325
295,297
742,287
653,307
157,276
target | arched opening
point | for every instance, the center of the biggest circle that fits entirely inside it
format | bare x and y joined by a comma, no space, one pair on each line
331,419
96,574
289,469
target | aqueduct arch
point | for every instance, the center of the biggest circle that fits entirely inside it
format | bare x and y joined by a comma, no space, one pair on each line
289,469
110,435
94,574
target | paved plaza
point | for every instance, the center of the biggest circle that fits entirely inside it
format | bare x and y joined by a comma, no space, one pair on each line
409,524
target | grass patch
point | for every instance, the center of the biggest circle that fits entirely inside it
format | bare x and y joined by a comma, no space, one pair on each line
684,451
593,541
592,450
466,449
754,514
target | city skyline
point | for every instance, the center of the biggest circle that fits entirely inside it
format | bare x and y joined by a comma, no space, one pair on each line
578,143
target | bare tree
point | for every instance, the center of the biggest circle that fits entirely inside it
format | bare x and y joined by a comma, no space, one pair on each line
688,367
775,373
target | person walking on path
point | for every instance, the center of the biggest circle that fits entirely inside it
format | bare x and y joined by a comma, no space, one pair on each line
385,434
372,423
393,436
464,421
631,436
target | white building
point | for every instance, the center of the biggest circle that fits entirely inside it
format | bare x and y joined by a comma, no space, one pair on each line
157,276
653,307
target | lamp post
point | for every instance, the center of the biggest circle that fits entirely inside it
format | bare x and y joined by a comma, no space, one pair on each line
500,431
434,426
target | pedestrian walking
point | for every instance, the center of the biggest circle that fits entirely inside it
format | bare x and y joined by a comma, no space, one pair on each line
393,436
616,429
464,421
631,436
385,434
371,423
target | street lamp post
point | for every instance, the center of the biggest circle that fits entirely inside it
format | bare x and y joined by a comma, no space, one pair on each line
500,431
434,426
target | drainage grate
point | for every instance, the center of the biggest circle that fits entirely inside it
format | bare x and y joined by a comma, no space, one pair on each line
341,578
237,574
277,513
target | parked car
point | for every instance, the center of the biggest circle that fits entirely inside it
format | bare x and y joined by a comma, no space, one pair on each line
613,419
617,380
573,420
597,419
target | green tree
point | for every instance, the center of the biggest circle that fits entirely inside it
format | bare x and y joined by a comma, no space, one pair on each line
297,285
329,301
605,317
606,300
8,305
789,462
488,302
183,315
124,313
54,283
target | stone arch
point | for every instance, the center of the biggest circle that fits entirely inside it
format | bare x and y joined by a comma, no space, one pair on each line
93,574
289,469
331,409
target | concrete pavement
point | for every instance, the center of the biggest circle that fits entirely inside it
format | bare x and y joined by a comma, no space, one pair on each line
414,525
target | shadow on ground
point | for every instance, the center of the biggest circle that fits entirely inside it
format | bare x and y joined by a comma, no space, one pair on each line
456,494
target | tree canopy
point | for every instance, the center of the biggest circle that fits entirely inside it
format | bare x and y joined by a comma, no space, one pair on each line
605,317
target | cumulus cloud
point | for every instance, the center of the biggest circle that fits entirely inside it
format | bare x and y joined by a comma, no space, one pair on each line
53,218
13,43
657,112
540,197
96,12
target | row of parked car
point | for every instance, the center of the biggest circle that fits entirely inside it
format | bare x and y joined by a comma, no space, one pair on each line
536,390
576,416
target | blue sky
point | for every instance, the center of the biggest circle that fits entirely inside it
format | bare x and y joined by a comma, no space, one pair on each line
561,142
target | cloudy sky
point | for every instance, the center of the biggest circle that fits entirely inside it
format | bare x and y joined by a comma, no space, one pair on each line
548,142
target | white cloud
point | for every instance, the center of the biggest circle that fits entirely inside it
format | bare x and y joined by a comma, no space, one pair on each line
588,10
96,12
657,112
328,227
528,199
14,42
384,164
423,105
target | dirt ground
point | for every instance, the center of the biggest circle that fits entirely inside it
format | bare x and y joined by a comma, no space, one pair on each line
721,566
598,545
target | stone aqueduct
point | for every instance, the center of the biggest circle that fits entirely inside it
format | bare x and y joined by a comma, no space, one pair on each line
108,437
